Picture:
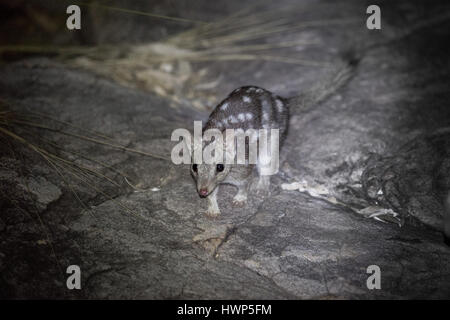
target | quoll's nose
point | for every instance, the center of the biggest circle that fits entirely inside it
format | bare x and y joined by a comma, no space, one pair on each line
203,192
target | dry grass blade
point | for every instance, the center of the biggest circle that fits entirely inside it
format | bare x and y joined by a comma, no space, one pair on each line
82,173
76,171
90,139
138,12
263,30
43,227
100,163
258,47
69,185
250,57
49,49
242,36
67,124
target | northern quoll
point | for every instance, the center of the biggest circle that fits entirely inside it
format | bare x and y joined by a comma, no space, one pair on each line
246,108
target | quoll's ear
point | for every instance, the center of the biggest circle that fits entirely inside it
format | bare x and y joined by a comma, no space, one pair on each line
184,146
188,144
195,149
213,148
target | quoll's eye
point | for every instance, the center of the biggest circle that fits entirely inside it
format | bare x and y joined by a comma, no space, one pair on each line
194,167
220,167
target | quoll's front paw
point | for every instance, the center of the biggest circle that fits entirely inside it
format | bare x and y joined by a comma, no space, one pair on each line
239,200
213,212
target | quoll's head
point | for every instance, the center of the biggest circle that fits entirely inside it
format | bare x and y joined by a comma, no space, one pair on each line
208,176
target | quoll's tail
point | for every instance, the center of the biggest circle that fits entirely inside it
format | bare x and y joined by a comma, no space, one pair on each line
338,77
447,220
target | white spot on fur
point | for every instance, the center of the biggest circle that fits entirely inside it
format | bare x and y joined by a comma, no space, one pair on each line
224,106
248,116
232,119
246,99
259,90
237,90
225,121
241,117
265,116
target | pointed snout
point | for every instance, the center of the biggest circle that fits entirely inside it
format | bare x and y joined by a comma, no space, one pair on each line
203,192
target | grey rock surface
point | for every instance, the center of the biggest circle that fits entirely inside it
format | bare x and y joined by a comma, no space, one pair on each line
386,130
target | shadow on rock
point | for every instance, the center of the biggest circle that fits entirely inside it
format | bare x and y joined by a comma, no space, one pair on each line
413,182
